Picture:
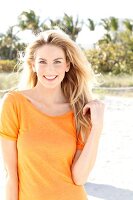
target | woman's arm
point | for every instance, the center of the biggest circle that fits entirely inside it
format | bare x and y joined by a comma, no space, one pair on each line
84,160
9,154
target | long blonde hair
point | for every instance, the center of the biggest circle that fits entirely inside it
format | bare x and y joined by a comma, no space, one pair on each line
76,85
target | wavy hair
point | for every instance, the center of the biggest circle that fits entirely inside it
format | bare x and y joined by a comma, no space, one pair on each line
76,85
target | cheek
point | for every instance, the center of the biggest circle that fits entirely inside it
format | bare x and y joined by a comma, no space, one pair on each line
61,69
40,68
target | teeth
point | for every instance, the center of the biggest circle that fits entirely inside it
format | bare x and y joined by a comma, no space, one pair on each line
50,77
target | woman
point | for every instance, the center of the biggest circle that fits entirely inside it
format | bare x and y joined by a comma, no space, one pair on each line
50,127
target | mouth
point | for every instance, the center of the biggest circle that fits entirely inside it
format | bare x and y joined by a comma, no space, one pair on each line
50,78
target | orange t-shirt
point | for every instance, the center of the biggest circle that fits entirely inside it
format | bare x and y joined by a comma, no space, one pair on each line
46,146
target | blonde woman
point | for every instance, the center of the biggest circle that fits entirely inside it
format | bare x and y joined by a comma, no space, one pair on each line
50,127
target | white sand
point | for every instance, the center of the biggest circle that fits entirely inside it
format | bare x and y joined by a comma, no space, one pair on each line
112,175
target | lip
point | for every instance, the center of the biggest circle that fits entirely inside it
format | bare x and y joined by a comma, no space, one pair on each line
50,79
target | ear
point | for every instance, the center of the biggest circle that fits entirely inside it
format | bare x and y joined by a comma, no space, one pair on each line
33,68
68,67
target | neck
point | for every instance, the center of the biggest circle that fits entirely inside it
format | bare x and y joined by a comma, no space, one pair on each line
52,95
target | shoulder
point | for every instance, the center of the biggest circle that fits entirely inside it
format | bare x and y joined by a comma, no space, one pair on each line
9,99
13,95
25,93
8,96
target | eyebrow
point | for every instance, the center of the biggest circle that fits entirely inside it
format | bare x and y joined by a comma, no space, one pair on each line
53,60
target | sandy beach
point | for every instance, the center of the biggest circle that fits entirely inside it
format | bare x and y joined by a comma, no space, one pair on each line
112,175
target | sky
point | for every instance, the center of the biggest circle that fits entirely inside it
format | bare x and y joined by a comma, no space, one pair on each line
94,9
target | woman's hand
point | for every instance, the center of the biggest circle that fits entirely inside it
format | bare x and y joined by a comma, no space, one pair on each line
96,108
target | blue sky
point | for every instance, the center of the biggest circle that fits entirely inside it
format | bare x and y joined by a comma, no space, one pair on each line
95,9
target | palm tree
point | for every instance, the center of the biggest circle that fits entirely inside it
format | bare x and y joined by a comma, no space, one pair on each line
111,25
70,26
128,24
50,24
29,20
9,44
90,24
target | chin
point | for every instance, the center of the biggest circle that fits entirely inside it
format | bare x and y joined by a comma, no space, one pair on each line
51,86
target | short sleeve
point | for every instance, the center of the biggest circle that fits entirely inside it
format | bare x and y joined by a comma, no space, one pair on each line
8,117
80,143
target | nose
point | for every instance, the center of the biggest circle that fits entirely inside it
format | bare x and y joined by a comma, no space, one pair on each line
49,68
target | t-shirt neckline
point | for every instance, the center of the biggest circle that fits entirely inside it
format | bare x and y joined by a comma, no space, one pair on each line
43,113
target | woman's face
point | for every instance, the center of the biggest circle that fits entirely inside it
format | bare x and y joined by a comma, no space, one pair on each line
50,65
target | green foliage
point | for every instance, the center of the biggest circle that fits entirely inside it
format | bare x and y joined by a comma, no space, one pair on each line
7,66
123,80
28,20
126,38
113,53
110,23
70,26
111,58
67,23
128,24
90,24
10,45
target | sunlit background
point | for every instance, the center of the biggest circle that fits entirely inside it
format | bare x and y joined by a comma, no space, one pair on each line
96,10
106,37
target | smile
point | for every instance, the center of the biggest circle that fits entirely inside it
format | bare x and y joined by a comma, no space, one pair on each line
50,78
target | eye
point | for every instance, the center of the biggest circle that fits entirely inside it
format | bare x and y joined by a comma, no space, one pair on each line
57,62
42,62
